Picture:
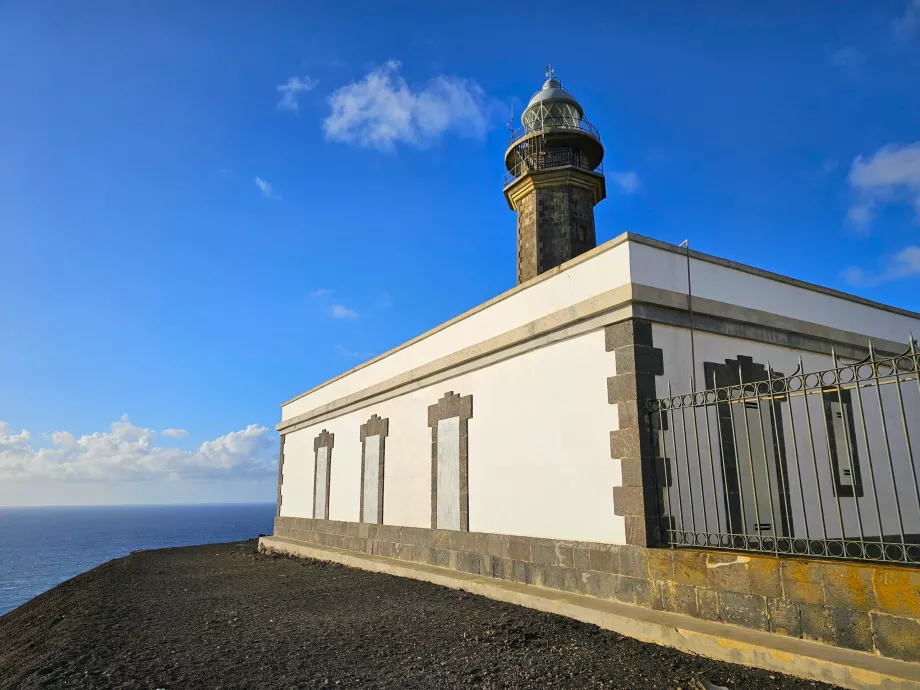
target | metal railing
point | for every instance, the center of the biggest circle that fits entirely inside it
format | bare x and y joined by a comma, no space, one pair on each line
551,159
809,464
554,124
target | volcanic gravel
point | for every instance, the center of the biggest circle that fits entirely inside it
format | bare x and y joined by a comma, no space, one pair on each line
225,616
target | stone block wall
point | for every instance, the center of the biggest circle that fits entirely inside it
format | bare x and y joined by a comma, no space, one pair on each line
555,224
861,606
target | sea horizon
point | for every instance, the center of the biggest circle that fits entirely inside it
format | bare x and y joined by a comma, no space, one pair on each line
46,545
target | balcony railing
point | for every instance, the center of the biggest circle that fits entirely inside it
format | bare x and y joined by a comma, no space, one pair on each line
554,124
551,159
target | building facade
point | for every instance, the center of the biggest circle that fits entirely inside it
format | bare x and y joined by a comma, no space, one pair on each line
732,448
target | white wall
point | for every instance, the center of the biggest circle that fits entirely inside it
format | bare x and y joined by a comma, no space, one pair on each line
539,460
584,280
539,453
667,270
626,262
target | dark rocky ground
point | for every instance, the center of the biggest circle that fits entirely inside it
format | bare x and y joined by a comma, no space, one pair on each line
224,616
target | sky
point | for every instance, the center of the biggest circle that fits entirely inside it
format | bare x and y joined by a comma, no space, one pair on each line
207,208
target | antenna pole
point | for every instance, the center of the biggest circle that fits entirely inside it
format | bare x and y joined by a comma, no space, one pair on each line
690,310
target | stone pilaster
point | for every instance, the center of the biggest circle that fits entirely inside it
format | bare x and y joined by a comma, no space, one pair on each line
637,365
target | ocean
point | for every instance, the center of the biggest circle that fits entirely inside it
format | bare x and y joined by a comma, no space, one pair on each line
42,547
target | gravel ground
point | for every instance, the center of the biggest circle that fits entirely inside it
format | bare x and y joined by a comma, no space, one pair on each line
224,616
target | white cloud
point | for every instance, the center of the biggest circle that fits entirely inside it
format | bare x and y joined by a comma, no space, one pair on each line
339,311
174,433
908,24
626,180
265,187
903,264
382,110
128,453
291,90
890,175
860,215
321,292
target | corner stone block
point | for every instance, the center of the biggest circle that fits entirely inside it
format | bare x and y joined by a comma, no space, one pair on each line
630,386
642,530
634,500
639,359
634,471
896,637
630,442
626,333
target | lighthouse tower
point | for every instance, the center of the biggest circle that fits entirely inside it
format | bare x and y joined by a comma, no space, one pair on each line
555,178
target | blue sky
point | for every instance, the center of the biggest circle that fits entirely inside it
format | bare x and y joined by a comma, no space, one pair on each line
207,208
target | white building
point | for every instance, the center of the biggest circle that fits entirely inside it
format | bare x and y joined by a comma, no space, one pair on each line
625,397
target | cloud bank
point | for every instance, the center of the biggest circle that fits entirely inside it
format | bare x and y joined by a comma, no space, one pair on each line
903,264
890,175
129,453
382,110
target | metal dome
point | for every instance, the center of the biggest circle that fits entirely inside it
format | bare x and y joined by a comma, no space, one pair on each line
552,91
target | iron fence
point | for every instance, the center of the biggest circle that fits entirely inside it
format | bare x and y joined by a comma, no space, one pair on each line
810,464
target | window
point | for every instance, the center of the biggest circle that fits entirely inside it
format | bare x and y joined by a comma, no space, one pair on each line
373,447
448,419
322,447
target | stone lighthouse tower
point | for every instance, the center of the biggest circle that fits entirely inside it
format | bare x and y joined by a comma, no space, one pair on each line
555,178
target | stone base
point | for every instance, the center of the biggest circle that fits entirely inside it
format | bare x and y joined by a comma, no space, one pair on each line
865,607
